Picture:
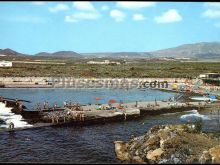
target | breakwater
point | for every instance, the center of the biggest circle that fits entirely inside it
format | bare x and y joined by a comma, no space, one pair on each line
89,114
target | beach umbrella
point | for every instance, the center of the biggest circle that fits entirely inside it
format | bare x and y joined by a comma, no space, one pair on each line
98,98
174,86
213,97
112,101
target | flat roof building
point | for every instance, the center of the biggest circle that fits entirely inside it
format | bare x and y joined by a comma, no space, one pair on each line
5,64
210,75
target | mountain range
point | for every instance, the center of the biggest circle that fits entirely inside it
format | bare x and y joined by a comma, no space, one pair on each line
59,54
202,50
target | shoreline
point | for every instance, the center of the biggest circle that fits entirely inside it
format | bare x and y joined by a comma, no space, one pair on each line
179,85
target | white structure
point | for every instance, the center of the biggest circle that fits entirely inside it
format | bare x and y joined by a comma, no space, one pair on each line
5,64
103,62
210,75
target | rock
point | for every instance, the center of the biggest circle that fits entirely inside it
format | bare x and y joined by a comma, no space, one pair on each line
205,158
136,152
174,159
190,151
137,159
215,154
164,134
179,127
155,129
121,150
170,144
164,161
140,138
191,160
177,161
154,140
152,155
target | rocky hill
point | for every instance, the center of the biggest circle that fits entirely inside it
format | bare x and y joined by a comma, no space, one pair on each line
60,54
174,144
203,50
10,52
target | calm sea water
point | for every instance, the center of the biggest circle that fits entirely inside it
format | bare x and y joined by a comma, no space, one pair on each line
83,96
76,144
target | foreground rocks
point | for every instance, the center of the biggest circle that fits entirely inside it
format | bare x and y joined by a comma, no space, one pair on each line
170,144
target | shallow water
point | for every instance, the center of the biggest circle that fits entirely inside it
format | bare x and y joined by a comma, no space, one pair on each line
83,96
75,144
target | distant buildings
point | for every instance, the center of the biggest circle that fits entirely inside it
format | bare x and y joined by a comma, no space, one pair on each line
105,62
182,58
5,64
210,75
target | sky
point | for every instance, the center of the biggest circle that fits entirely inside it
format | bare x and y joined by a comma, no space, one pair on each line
114,26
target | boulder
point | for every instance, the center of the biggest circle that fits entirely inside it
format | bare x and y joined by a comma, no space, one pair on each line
154,140
121,150
205,158
152,155
170,144
137,159
215,154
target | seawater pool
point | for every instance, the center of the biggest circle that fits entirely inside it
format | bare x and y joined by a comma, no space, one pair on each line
82,144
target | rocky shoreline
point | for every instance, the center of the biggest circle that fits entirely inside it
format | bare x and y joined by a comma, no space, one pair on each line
174,144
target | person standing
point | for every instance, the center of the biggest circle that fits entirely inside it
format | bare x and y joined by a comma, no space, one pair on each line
45,104
136,105
11,125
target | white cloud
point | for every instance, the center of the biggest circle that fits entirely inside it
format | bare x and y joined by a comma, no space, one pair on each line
138,17
104,7
134,5
87,12
170,16
81,16
84,5
58,7
212,4
117,15
210,13
39,3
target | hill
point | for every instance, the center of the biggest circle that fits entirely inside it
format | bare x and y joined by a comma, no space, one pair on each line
202,50
59,54
10,52
197,50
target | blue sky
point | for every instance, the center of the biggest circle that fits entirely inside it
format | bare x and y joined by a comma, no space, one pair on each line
32,27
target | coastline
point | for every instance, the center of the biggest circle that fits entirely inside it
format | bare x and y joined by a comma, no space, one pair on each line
178,85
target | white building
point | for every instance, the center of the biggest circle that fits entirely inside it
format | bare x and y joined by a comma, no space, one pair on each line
5,64
103,62
210,75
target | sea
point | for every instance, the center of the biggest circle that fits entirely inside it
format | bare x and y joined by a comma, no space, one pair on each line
82,144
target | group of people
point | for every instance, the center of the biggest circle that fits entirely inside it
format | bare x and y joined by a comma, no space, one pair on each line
74,107
45,106
76,116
